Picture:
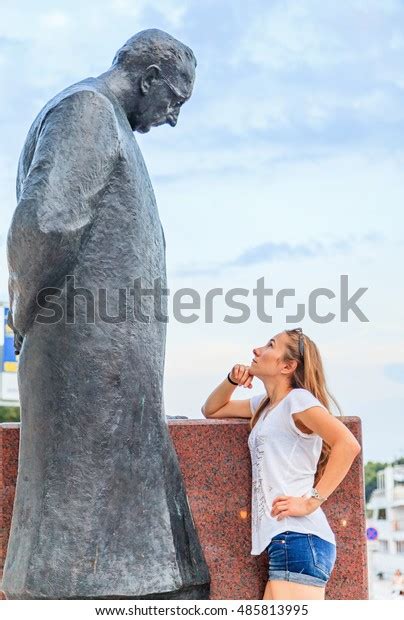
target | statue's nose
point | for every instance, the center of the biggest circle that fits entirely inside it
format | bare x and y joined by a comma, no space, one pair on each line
172,121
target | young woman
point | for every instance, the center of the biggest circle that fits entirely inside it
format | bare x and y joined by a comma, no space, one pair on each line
300,454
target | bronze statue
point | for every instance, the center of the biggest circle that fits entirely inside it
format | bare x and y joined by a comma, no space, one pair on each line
100,508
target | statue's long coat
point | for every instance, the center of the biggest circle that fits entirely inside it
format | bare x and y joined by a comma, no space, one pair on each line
100,508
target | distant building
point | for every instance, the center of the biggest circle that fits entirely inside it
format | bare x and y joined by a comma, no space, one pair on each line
176,417
385,512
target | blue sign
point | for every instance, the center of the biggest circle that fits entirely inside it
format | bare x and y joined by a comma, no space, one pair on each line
9,361
371,533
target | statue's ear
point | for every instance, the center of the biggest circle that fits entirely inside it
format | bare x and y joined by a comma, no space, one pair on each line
151,74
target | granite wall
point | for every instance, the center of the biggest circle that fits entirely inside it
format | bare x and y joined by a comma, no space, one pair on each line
216,466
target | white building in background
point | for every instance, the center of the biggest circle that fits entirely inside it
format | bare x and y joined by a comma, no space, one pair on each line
385,512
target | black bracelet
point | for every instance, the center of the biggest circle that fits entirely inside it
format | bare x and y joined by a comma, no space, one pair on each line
228,376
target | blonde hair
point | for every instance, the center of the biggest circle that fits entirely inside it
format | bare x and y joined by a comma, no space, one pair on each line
309,375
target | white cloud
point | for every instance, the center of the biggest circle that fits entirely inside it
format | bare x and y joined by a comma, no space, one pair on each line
55,20
289,34
173,11
319,34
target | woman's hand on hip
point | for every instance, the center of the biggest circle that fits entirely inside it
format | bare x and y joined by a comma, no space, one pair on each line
290,506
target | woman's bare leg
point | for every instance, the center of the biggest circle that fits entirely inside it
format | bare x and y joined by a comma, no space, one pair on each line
289,590
268,592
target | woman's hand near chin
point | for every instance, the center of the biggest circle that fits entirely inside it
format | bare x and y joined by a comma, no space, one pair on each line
241,375
219,404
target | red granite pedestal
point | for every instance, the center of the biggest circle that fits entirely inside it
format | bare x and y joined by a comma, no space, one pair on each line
216,466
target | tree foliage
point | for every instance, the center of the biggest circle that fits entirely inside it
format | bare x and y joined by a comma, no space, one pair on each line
9,414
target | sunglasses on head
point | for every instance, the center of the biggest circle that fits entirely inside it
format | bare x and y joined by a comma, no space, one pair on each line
301,341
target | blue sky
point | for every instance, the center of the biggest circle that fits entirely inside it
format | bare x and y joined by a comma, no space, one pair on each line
287,164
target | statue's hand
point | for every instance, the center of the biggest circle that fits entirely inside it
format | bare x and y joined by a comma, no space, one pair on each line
18,338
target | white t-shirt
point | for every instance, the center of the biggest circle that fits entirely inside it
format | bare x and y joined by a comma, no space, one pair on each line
284,462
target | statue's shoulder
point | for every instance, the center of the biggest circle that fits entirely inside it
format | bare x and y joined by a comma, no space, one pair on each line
85,97
82,105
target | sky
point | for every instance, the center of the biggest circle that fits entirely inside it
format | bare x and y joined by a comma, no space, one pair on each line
286,165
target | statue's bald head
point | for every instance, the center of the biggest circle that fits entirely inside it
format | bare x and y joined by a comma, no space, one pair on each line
153,46
153,76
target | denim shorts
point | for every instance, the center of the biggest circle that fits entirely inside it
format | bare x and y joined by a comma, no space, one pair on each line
302,558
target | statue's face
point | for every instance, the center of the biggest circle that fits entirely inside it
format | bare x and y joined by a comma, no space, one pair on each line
162,99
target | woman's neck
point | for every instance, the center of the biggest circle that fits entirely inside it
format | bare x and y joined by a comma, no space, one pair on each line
276,392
